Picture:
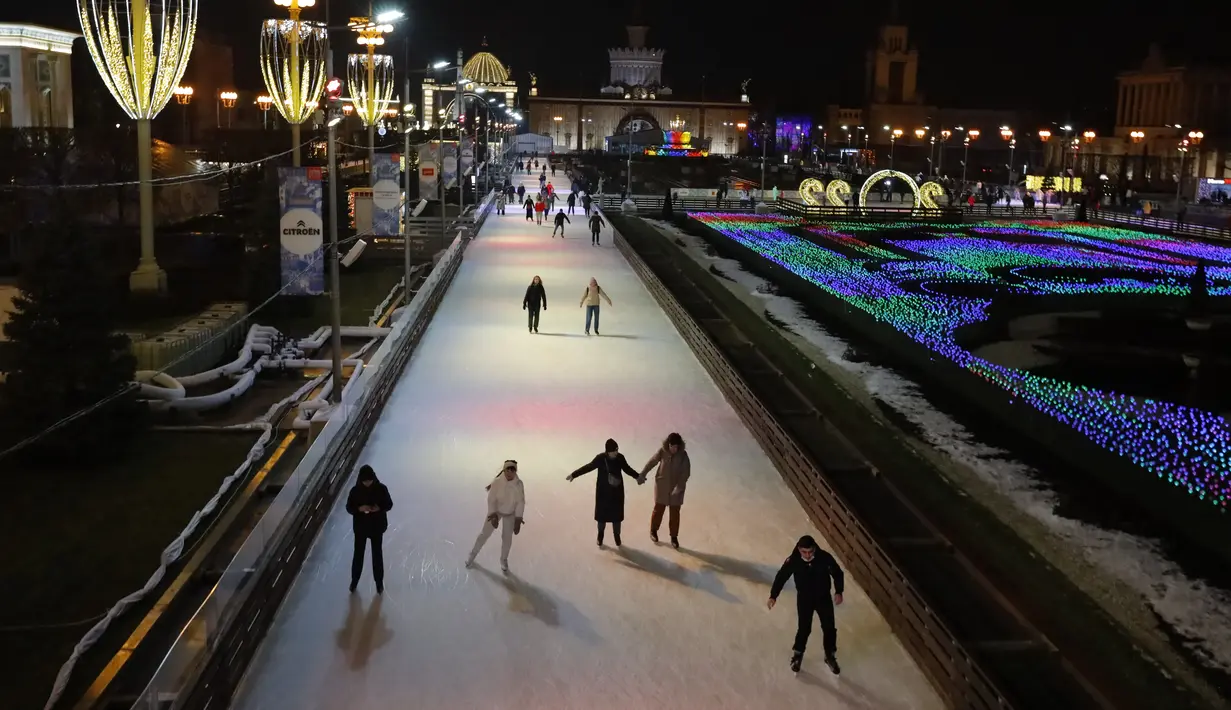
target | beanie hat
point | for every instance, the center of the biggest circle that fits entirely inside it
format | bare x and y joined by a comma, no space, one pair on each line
611,446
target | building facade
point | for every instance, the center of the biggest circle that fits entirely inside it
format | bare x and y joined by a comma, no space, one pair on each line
483,73
636,99
36,78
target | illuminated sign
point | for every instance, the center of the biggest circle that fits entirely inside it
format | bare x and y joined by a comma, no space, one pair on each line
669,151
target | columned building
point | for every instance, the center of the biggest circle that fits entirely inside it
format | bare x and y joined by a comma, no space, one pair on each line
36,79
482,73
636,100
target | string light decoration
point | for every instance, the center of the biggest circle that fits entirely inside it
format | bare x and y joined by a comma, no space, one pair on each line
141,49
809,190
928,192
930,280
838,192
370,80
293,56
876,177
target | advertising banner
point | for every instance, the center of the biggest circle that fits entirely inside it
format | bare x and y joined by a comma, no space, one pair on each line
386,195
302,231
430,169
467,155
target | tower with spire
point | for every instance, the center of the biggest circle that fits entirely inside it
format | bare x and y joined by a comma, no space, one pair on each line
893,64
636,70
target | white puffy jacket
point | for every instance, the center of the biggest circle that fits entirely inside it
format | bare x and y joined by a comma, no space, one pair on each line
506,497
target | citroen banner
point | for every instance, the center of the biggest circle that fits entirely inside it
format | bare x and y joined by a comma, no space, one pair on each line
302,231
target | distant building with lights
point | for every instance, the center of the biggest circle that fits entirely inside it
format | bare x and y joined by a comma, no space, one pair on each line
636,111
483,73
36,78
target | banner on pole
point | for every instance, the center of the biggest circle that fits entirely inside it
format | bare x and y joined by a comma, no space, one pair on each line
302,231
431,170
467,155
386,194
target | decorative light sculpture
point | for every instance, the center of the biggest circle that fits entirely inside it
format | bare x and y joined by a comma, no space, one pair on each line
876,177
810,190
293,56
370,76
928,192
837,192
141,49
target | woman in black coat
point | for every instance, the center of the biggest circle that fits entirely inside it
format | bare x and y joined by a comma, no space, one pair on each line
535,299
368,503
608,488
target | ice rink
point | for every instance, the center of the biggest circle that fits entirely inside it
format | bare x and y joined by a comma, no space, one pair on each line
572,626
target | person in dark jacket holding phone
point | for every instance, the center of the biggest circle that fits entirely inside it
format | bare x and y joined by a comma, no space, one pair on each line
535,300
368,503
608,488
812,568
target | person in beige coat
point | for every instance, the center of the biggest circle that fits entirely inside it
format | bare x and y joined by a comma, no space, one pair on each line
590,301
669,482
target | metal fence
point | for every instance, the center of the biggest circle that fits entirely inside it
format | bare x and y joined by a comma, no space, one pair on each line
1159,224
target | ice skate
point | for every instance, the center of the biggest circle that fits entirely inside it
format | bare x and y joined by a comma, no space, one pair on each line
600,540
504,566
617,539
469,562
675,542
353,585
832,662
654,536
797,660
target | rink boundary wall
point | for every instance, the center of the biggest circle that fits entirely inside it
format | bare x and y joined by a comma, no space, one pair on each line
211,654
950,668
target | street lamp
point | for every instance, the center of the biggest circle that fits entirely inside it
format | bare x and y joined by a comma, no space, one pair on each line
557,120
944,138
264,102
370,76
226,99
141,61
1006,134
293,65
971,135
335,278
893,140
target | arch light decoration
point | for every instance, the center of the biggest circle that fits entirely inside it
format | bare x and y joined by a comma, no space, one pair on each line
879,175
928,192
837,192
810,190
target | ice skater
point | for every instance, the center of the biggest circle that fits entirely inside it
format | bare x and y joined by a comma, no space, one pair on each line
812,568
506,504
561,218
590,301
501,201
670,480
529,205
608,488
572,201
534,300
596,223
368,503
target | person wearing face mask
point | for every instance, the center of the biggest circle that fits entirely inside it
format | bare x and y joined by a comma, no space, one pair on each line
812,568
506,505
368,503
608,488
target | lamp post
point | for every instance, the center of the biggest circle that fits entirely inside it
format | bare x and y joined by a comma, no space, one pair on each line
971,135
226,99
558,120
1045,136
894,135
1194,139
1137,137
263,103
370,76
764,134
293,55
141,60
183,97
335,278
945,134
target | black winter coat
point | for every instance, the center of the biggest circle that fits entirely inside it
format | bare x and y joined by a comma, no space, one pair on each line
369,524
608,497
536,297
811,578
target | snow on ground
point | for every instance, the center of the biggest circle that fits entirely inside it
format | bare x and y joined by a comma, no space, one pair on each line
573,626
1199,612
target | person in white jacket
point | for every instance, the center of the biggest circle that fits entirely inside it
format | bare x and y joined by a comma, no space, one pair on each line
506,504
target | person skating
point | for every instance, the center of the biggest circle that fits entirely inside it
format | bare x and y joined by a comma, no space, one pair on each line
586,201
812,568
535,299
506,505
539,208
572,201
596,223
521,193
501,201
368,504
561,218
611,466
529,205
590,301
670,480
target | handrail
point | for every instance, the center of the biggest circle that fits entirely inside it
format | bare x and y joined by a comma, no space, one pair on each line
936,649
209,656
1160,224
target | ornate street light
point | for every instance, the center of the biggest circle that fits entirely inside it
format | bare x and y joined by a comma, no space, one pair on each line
293,56
369,76
141,49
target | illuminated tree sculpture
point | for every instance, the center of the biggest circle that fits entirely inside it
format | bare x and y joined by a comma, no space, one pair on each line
141,49
293,56
369,76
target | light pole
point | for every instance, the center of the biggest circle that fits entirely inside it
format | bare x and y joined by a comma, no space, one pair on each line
335,278
293,56
1006,134
894,135
971,135
183,97
370,75
764,133
226,99
1045,136
945,134
141,60
264,102
407,112
557,120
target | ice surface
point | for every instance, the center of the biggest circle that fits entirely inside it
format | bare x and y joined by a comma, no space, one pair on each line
573,626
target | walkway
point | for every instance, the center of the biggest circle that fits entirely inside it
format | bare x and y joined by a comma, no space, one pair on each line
573,626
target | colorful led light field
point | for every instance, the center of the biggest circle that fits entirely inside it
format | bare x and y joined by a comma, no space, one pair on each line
1189,448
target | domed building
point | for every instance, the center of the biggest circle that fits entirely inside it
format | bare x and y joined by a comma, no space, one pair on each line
483,74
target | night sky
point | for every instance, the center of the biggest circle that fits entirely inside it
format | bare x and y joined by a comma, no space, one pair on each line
801,57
